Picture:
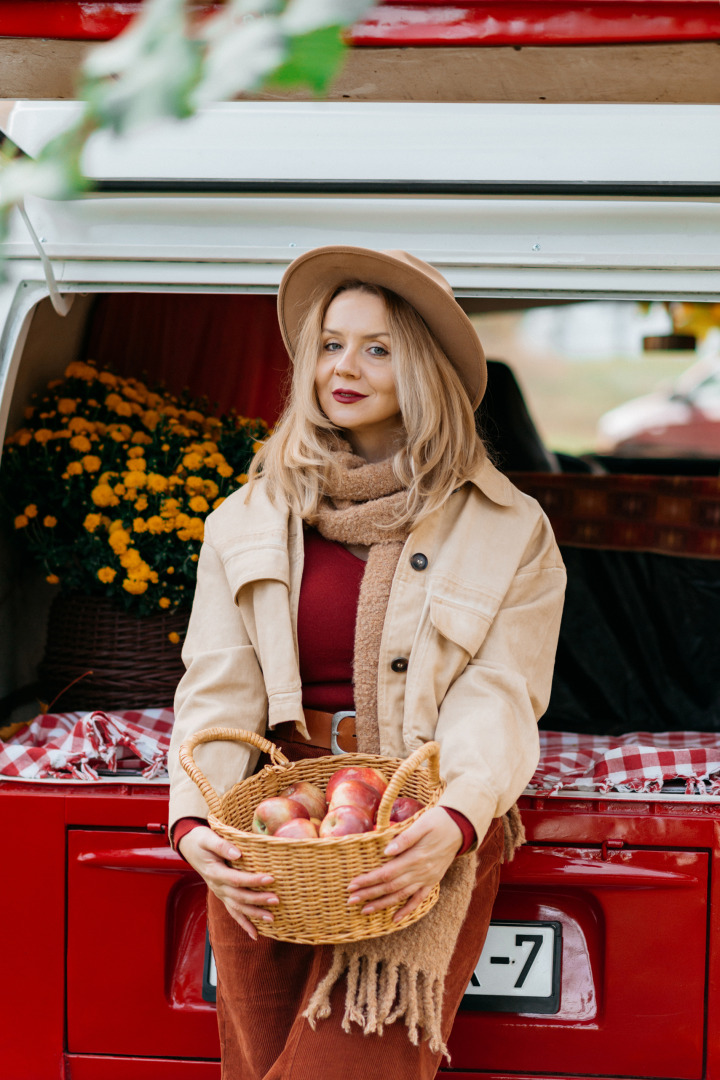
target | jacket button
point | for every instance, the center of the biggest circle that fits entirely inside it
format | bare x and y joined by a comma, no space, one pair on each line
399,664
419,561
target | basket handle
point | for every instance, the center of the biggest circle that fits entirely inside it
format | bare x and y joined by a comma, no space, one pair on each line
429,752
214,734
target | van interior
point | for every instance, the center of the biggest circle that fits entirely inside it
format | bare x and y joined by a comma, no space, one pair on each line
639,640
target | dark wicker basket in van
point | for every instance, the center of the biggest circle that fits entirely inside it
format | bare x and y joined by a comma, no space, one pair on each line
121,661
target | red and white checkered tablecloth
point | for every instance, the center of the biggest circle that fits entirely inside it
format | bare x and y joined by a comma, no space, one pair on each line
74,746
639,761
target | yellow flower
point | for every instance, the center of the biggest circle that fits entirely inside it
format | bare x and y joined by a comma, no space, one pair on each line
192,460
81,444
211,489
134,479
242,478
194,484
79,370
218,502
21,521
135,587
103,495
31,510
139,525
194,558
49,521
124,408
74,468
43,434
224,470
140,437
115,526
91,463
116,435
91,523
79,424
155,524
194,417
29,411
156,482
136,451
151,419
130,559
118,540
53,579
165,447
257,446
106,574
174,637
199,504
66,406
119,489
164,602
139,464
107,378
170,570
23,437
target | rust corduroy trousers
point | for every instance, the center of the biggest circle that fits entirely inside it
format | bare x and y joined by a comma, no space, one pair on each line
265,985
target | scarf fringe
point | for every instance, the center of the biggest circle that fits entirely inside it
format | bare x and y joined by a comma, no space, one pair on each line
378,993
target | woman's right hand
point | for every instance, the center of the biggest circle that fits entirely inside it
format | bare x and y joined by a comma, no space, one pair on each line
242,893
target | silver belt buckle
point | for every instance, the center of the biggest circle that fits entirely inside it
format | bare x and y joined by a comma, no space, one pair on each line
337,719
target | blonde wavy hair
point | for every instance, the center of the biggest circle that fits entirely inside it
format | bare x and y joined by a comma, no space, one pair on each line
441,447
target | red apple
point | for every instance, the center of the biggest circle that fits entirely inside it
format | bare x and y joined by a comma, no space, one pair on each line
310,796
270,814
297,829
345,820
404,808
355,793
357,772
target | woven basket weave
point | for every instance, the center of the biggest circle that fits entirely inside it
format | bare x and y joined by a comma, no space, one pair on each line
133,663
311,876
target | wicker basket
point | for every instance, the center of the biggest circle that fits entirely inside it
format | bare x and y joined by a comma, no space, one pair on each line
311,876
131,661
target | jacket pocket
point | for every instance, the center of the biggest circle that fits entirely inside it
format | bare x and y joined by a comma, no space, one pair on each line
463,625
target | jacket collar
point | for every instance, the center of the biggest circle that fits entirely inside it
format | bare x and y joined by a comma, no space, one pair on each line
493,484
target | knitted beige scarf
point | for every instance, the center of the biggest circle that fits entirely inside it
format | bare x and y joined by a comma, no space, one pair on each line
400,975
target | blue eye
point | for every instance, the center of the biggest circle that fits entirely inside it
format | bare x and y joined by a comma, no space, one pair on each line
331,346
377,350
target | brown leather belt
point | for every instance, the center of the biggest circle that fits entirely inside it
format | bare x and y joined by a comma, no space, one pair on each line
328,731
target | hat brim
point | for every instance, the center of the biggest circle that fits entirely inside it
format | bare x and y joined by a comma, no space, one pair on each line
328,267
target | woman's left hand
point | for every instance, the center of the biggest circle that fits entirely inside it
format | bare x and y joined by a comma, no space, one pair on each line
423,852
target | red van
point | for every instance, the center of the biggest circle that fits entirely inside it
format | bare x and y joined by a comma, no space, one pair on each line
602,959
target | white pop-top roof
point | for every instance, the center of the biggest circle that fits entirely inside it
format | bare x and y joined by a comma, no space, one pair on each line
401,143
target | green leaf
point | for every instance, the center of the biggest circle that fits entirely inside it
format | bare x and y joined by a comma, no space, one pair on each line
313,60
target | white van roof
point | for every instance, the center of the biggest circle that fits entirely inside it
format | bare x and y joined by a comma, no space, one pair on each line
400,147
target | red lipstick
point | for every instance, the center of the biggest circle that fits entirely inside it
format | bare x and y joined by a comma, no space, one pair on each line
347,397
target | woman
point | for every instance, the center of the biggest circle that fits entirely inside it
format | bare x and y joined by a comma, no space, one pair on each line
375,561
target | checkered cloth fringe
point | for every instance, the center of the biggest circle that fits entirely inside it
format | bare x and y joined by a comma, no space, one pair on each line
74,746
640,761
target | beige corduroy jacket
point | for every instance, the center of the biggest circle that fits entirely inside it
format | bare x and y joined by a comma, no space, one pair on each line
478,627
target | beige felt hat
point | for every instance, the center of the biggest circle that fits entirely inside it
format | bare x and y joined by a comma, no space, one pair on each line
411,278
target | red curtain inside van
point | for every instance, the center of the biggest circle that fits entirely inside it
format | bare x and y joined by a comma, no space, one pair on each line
227,348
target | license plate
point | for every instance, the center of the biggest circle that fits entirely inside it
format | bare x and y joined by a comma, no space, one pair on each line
209,984
518,970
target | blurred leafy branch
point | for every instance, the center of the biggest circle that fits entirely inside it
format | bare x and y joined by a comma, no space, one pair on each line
169,63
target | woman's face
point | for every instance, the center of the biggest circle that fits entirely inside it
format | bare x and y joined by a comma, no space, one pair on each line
354,379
